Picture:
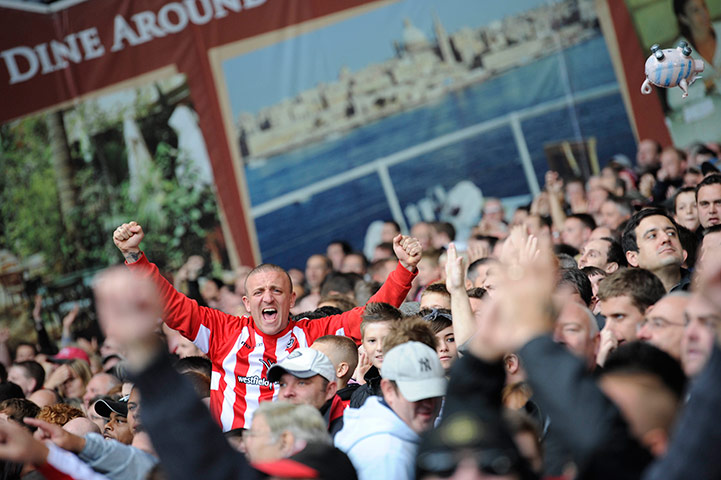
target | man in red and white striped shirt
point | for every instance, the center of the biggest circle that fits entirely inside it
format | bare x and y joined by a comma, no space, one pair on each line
242,349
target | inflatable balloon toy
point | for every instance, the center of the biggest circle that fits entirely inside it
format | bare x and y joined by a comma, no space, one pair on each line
670,67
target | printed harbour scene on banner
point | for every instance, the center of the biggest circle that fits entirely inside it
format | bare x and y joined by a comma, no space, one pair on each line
415,111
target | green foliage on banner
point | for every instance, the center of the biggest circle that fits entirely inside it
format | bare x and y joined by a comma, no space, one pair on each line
30,220
176,215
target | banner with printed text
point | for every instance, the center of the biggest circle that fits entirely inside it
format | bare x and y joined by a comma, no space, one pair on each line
263,129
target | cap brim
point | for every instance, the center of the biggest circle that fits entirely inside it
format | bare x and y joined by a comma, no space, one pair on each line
59,360
414,390
104,409
277,371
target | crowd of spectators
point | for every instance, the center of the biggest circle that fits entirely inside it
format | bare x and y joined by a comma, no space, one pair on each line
575,337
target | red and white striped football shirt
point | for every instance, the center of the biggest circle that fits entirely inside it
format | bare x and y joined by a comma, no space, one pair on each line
241,354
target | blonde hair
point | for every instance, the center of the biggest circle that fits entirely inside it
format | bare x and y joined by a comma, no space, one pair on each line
303,421
81,369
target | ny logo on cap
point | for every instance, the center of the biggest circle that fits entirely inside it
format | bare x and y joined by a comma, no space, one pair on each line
425,364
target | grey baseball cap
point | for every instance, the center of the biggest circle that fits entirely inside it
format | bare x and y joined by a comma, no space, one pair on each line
416,370
303,363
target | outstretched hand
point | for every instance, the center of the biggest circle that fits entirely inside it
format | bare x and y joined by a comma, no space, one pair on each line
127,238
130,311
38,307
522,307
554,183
455,270
69,319
56,434
408,250
18,445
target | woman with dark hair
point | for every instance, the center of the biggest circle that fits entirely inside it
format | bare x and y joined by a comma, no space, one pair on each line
694,24
697,117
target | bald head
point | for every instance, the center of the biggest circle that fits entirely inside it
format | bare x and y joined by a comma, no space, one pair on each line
99,384
44,397
80,426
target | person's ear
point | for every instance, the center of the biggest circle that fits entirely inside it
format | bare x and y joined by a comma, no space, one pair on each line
342,369
632,258
246,303
387,389
511,363
330,390
594,302
611,267
287,443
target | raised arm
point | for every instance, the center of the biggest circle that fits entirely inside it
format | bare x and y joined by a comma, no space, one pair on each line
554,187
4,350
393,291
194,322
463,325
396,287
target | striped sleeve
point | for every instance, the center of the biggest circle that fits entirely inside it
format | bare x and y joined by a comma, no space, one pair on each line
197,324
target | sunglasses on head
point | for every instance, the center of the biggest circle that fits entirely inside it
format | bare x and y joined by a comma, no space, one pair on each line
436,314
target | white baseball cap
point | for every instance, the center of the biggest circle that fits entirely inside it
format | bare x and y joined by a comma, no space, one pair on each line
416,369
303,363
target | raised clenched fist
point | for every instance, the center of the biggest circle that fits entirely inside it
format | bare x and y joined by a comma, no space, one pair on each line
127,238
408,250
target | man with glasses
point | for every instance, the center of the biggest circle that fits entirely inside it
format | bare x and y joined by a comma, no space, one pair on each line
663,324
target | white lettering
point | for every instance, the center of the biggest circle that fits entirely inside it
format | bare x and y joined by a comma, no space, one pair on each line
193,12
91,43
23,62
123,31
42,51
252,3
16,76
230,4
68,50
147,29
164,17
